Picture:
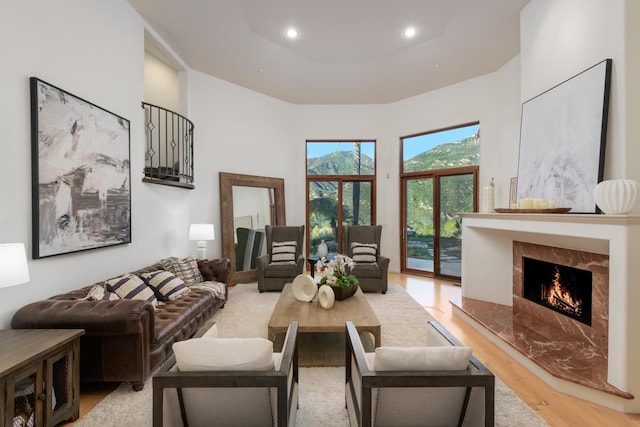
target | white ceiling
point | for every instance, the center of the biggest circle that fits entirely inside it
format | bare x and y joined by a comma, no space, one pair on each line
347,52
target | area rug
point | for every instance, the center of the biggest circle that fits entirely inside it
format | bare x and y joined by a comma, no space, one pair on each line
321,402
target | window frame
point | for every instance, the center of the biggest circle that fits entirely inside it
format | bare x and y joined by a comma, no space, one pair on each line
340,180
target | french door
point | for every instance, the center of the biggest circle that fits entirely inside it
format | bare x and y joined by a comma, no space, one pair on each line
431,238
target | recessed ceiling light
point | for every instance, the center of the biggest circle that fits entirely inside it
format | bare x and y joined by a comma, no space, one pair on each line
410,32
292,33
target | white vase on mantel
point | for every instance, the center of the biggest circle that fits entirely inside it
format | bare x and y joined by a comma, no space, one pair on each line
617,196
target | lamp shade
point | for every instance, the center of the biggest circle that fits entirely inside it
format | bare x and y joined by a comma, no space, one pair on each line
13,265
201,232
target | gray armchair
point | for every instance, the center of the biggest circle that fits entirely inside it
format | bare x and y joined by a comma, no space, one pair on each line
275,271
219,396
371,273
450,387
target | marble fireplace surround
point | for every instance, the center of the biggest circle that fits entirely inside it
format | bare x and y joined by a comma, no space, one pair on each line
565,326
597,363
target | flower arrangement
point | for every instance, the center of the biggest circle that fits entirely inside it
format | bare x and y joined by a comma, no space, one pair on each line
337,272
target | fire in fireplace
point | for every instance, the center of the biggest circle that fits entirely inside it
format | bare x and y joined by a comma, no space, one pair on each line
561,288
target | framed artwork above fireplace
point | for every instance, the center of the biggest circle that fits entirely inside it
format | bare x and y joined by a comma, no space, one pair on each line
562,140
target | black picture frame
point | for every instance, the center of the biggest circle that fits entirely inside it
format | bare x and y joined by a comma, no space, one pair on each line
81,174
563,139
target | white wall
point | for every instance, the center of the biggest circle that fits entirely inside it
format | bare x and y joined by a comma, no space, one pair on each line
238,131
561,38
161,83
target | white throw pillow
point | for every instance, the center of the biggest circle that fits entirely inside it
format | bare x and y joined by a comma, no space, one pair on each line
283,252
441,358
224,354
364,253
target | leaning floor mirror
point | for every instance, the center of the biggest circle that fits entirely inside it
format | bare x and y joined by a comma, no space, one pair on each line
247,204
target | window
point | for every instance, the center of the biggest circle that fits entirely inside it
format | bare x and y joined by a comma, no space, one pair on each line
340,190
439,180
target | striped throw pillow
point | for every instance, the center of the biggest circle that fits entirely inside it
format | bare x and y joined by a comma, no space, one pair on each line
185,269
166,286
364,253
131,286
99,293
283,252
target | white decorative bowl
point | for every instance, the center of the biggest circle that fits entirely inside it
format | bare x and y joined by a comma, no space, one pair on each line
617,196
304,288
326,297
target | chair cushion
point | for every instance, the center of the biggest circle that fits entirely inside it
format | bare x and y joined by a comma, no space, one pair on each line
131,286
362,271
364,253
224,354
440,358
288,269
165,285
283,252
185,269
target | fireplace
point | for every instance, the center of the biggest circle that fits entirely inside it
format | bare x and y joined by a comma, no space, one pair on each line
582,276
564,352
562,288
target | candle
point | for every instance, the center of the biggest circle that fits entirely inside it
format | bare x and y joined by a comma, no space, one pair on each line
526,203
552,204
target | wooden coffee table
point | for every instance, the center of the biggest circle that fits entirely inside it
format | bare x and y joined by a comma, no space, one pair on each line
314,319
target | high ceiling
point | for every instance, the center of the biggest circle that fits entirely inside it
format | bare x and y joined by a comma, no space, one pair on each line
347,51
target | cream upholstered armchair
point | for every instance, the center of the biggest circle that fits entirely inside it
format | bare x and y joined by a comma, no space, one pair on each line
439,384
284,259
361,243
229,381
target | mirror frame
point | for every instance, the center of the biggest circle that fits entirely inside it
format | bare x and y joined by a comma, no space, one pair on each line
227,182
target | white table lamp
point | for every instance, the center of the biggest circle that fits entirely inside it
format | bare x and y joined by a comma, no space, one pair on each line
13,265
201,233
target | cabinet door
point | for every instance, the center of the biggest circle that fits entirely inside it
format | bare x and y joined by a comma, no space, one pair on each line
61,396
24,397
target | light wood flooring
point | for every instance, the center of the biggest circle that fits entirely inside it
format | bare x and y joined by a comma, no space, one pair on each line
558,409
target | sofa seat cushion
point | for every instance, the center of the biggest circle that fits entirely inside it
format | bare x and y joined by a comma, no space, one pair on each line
174,315
366,271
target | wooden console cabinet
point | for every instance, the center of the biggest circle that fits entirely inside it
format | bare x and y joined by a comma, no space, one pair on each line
39,376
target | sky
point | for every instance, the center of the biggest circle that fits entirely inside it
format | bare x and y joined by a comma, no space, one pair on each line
419,144
412,146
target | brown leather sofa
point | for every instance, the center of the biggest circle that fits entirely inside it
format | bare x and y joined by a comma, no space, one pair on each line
126,340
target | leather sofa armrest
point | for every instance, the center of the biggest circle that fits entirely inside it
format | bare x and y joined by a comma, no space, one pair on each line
217,270
97,318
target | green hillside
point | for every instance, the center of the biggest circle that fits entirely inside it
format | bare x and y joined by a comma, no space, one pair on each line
339,163
450,155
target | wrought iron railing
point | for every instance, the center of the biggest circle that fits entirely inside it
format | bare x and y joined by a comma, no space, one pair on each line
169,147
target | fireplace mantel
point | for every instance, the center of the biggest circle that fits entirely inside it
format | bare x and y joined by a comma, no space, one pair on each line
487,275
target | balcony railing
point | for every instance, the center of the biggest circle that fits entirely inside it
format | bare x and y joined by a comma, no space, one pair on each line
169,147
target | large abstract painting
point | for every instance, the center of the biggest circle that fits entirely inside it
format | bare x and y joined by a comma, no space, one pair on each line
562,140
81,174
